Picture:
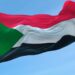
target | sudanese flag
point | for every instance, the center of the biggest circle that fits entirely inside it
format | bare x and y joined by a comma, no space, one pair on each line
22,35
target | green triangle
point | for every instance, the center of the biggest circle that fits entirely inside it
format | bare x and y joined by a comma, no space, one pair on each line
8,37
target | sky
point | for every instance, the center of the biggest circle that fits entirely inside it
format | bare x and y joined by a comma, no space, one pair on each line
60,62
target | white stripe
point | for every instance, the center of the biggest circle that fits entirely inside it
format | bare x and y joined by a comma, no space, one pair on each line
34,35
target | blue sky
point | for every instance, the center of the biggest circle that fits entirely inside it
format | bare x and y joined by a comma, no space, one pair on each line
60,62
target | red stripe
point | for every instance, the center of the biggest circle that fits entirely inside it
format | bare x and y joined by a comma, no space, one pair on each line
40,20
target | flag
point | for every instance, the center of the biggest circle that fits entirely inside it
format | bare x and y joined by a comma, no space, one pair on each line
22,35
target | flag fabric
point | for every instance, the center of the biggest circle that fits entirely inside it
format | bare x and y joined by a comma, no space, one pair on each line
22,35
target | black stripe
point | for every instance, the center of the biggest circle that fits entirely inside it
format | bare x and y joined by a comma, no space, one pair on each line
33,49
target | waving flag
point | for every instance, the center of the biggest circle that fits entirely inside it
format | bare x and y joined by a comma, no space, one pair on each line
34,34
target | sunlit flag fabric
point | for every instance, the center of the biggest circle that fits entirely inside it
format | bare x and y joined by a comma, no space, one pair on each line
22,35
